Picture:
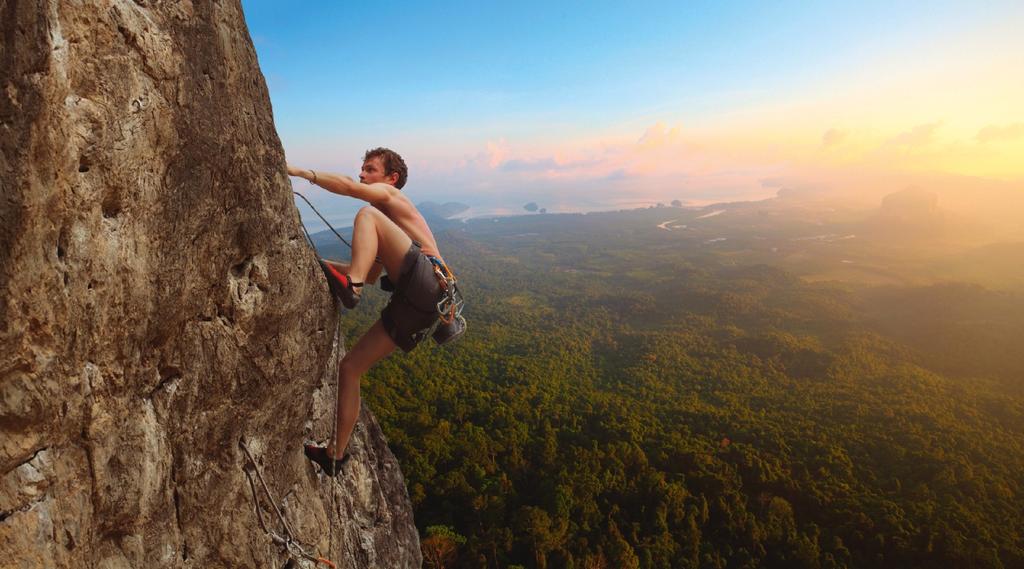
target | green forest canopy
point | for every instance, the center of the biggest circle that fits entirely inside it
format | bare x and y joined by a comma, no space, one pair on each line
626,397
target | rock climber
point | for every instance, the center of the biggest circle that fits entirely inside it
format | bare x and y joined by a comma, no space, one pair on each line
389,234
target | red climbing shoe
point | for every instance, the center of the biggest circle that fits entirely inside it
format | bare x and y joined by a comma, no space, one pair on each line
318,454
342,286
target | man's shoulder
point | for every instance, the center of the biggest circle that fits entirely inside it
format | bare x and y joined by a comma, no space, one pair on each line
398,198
399,206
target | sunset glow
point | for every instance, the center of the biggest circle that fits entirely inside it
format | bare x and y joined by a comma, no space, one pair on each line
605,105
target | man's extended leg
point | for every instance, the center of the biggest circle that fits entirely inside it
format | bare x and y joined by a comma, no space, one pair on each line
373,235
374,346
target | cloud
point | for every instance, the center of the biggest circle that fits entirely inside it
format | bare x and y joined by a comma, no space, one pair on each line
920,135
660,149
659,135
833,137
661,159
529,165
619,174
659,163
497,152
547,164
994,132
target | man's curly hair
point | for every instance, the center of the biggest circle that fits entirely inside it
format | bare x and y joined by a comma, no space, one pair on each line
393,164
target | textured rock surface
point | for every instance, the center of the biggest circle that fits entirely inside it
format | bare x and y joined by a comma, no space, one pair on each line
157,303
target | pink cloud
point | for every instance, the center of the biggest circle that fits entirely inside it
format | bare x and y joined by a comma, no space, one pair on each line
666,162
497,152
661,164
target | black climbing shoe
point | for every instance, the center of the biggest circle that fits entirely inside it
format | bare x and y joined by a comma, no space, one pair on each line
341,286
318,454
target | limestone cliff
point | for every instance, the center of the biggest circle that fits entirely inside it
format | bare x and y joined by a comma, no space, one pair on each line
158,304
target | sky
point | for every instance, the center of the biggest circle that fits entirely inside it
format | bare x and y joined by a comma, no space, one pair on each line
602,105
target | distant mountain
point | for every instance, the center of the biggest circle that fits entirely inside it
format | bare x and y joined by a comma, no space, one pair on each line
912,203
912,214
441,211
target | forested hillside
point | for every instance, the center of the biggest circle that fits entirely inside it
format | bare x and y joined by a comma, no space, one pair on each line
627,396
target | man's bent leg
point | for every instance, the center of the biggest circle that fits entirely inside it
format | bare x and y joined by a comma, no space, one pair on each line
374,346
373,235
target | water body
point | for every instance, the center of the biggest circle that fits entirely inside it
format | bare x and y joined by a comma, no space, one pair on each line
340,211
712,214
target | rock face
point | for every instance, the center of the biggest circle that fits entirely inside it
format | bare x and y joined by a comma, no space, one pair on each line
158,304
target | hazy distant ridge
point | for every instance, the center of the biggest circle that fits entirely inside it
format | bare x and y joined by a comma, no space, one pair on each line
431,209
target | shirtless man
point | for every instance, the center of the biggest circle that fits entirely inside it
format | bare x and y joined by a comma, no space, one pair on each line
388,234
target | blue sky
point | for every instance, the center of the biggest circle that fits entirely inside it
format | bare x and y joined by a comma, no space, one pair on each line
454,86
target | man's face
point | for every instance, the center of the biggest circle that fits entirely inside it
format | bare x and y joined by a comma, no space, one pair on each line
373,172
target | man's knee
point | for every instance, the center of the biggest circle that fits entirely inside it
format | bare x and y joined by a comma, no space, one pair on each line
367,211
353,365
348,365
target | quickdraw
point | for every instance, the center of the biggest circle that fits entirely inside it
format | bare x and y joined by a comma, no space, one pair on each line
450,306
450,324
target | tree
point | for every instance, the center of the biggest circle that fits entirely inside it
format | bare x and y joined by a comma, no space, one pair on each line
620,552
596,561
543,535
440,548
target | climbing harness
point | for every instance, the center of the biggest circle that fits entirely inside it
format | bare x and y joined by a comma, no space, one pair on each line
450,324
293,547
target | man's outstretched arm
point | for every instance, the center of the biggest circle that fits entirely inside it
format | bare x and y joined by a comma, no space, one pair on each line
370,193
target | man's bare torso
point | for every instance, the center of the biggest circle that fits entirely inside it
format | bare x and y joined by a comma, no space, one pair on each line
400,209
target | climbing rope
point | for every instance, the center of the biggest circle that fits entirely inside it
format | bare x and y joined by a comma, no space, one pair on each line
291,542
292,546
334,425
322,218
337,335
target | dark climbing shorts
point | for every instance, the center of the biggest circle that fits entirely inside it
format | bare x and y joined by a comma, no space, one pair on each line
413,307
